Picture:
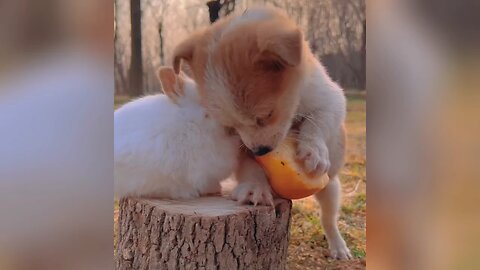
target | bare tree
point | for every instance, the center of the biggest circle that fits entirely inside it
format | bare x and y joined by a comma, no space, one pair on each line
161,17
363,51
120,78
335,30
136,68
161,44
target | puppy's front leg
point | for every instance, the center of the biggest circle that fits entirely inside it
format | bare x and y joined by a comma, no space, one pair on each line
321,121
312,148
321,144
253,186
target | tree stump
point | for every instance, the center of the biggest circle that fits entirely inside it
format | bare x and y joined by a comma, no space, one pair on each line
204,233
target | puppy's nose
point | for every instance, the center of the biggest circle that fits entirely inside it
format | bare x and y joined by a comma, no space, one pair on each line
262,150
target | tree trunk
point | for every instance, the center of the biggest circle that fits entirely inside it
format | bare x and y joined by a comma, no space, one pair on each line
214,7
363,52
160,35
205,233
120,80
136,66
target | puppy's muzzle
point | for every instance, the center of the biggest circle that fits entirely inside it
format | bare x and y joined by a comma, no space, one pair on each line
261,150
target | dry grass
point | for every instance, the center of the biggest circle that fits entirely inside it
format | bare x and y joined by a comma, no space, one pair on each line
308,246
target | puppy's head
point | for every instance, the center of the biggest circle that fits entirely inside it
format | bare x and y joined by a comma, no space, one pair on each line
248,74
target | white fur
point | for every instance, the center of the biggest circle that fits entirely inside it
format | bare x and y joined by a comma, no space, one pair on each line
253,184
329,199
170,151
323,103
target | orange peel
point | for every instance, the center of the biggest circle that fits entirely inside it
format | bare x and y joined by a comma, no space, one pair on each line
286,174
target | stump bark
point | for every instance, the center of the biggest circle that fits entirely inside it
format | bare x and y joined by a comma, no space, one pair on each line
204,233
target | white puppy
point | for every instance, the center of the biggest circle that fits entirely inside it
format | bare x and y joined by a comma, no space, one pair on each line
167,146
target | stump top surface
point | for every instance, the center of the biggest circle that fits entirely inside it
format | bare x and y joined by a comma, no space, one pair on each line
205,206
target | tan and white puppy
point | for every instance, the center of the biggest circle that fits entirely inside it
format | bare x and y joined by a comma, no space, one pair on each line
256,74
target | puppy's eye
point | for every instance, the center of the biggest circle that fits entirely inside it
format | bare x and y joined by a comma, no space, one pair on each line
261,121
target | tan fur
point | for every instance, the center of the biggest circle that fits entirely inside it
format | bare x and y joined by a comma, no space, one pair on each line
263,63
185,50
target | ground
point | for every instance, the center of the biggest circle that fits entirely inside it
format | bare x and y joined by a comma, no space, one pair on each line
308,246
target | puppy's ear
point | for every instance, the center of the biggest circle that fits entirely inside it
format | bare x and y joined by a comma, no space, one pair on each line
185,51
172,84
280,45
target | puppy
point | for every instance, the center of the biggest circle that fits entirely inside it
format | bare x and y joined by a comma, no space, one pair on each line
256,74
168,146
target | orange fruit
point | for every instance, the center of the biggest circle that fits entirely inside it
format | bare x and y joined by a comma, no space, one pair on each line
287,176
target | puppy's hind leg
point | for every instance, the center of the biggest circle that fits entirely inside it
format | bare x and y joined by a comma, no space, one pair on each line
329,199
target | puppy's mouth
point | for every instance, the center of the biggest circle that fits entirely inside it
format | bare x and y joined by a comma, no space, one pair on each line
257,151
261,150
254,149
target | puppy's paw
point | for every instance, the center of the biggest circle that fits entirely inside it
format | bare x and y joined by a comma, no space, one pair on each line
255,192
314,156
340,251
